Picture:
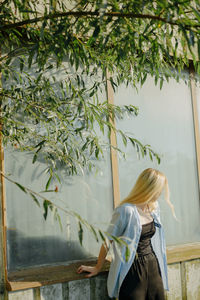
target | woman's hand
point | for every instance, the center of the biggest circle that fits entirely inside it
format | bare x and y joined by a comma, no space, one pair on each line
96,269
91,270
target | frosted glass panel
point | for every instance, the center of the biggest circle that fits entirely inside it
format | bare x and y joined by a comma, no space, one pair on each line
165,122
34,241
30,239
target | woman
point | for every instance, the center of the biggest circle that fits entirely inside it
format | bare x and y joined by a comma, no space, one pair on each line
137,220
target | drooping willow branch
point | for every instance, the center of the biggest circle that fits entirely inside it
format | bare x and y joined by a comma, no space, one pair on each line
97,233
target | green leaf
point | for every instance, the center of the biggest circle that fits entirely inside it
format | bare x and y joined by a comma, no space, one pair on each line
118,240
158,159
84,146
35,199
132,141
94,233
48,182
45,206
124,139
150,155
38,78
198,68
127,253
199,48
97,152
114,85
58,219
143,79
21,187
186,37
142,151
34,158
30,58
196,12
60,222
161,83
80,233
101,235
57,177
21,64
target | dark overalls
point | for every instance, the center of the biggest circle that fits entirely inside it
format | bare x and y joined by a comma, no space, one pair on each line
143,280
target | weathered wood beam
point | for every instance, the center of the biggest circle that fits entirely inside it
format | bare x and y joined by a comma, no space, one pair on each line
113,152
3,260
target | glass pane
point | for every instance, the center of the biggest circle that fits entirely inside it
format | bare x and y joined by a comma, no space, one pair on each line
165,122
33,241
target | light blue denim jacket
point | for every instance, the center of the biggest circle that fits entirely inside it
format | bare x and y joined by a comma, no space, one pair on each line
126,223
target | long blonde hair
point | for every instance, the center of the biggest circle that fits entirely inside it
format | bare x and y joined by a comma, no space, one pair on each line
148,188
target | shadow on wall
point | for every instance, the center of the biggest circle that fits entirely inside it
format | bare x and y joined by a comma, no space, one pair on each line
26,252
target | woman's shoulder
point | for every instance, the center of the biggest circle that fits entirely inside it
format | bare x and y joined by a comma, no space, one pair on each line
126,208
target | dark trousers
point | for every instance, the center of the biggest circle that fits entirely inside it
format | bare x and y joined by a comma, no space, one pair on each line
143,281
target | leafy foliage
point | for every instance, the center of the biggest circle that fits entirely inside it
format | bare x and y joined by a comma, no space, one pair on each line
54,61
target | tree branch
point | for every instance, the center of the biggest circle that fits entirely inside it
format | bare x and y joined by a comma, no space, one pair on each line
15,52
94,14
97,232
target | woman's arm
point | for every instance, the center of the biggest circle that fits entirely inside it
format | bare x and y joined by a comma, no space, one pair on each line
100,262
115,228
